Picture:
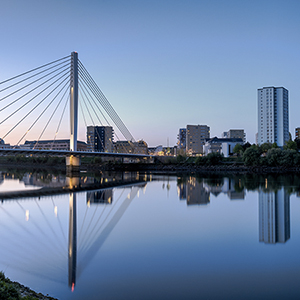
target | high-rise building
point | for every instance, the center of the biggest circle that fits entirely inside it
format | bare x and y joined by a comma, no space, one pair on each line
195,138
273,115
181,138
99,138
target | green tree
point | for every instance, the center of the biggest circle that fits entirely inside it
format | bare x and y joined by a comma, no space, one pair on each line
265,147
274,145
288,157
214,158
181,158
246,146
251,156
200,160
238,149
273,157
290,145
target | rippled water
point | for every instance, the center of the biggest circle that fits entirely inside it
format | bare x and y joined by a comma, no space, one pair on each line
165,237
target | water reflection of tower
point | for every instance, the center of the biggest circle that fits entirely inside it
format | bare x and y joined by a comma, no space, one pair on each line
104,196
182,191
274,216
193,191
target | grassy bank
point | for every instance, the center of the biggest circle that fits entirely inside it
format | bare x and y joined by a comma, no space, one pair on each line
10,290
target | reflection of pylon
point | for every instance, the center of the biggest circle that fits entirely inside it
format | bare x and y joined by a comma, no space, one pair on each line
72,259
72,241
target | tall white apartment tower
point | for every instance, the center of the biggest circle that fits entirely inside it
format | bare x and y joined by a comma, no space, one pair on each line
273,115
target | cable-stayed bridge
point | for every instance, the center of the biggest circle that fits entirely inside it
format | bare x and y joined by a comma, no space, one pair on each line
49,102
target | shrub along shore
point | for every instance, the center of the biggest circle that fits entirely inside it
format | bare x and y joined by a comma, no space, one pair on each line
12,290
267,158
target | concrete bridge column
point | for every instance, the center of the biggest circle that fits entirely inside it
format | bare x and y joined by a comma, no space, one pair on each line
73,166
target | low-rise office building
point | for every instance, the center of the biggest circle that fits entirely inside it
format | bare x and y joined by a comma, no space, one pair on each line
139,147
223,146
235,134
53,145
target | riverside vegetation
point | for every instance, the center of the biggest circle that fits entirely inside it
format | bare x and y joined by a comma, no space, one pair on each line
245,156
10,290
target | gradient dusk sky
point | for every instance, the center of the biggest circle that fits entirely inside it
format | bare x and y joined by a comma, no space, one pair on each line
165,64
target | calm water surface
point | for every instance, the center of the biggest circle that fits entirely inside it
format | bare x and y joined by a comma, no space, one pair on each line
164,238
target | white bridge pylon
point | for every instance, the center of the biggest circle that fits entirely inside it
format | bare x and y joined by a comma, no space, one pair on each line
74,101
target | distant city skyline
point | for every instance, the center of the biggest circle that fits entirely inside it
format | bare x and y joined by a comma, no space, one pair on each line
165,64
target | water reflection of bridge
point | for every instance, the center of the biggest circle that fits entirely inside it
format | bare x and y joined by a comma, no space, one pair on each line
87,234
95,212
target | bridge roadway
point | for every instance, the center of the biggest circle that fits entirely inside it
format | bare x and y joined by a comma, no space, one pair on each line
70,153
51,191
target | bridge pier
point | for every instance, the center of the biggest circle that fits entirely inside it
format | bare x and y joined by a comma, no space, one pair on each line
73,166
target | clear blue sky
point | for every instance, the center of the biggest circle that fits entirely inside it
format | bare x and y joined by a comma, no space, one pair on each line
165,64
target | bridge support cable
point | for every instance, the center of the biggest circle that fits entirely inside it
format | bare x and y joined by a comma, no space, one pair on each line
104,102
27,78
60,120
51,118
33,82
85,90
91,117
21,97
12,78
83,116
41,114
107,110
34,106
30,100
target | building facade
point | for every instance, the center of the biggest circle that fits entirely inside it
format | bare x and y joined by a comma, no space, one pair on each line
235,134
273,115
100,138
297,133
195,138
181,138
223,146
274,216
53,145
139,147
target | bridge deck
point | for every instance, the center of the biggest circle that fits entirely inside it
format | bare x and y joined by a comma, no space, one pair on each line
69,153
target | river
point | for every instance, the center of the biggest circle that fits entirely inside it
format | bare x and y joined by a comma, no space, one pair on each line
151,236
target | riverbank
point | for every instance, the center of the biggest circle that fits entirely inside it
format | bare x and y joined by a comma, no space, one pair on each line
173,168
15,291
192,168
